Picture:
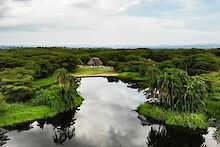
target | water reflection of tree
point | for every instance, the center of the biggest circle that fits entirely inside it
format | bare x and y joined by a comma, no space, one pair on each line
63,124
60,135
157,137
173,136
131,83
112,79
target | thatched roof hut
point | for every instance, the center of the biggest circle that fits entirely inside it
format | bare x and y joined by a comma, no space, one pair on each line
95,62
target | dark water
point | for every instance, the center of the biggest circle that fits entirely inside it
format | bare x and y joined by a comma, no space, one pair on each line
105,119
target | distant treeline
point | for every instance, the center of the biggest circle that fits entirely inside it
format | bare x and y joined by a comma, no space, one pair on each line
194,61
19,67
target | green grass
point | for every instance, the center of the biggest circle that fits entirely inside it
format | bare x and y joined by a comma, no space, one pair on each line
20,112
44,82
191,120
93,71
132,75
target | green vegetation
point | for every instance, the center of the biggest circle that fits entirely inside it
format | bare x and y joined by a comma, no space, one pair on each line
26,78
83,71
22,73
44,82
16,84
192,120
62,96
37,108
176,90
213,100
45,102
18,113
3,104
180,98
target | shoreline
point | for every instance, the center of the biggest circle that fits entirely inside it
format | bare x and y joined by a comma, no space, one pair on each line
31,112
174,118
95,75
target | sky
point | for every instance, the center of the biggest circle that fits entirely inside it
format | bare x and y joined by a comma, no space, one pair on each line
109,22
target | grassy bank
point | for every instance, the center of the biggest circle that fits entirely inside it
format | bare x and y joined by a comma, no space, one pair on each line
86,71
44,103
22,112
191,120
213,101
18,113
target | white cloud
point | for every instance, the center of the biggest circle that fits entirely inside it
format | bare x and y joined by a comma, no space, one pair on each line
97,21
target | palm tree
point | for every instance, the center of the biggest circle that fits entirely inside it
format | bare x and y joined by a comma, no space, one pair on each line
61,75
66,83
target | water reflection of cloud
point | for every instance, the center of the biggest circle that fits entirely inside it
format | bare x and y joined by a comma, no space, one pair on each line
114,99
105,119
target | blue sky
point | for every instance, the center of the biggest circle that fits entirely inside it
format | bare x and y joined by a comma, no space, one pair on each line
109,22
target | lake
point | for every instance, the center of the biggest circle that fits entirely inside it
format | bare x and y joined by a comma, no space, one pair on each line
106,119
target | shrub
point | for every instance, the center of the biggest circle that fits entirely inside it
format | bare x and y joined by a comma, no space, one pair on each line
54,98
3,104
16,84
49,97
178,91
198,63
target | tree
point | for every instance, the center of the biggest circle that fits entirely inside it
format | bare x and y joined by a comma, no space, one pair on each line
66,83
62,76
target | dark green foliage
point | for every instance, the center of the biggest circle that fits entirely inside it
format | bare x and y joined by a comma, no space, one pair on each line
3,104
19,67
199,63
132,64
194,61
16,84
42,62
167,64
177,90
194,64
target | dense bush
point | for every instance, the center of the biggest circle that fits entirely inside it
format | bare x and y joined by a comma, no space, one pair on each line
194,61
54,98
42,61
62,96
49,97
16,84
178,91
194,64
198,63
19,67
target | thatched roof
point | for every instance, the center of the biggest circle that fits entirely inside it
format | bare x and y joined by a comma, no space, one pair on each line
95,62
